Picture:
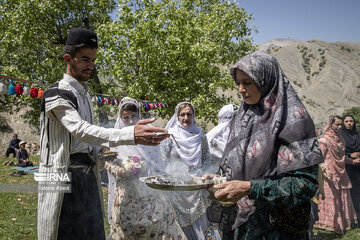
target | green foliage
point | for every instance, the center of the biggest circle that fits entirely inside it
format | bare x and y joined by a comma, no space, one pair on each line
9,104
323,61
32,116
297,84
320,234
303,48
166,51
12,104
321,51
32,37
306,60
315,73
3,122
276,49
170,51
345,49
354,111
312,103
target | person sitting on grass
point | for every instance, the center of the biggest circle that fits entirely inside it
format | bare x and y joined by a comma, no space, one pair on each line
23,156
13,146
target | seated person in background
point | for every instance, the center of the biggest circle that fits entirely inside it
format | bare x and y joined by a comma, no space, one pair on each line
13,146
23,156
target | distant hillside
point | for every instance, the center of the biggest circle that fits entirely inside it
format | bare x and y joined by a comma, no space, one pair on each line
278,42
325,75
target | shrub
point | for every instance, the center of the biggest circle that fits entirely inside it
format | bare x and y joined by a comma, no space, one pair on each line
3,122
297,84
276,49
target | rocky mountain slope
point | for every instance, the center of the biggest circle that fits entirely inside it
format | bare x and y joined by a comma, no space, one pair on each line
278,42
325,75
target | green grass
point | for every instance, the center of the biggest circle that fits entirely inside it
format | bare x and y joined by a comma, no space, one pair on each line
326,235
18,212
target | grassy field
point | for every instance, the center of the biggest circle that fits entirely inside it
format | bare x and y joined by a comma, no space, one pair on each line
18,210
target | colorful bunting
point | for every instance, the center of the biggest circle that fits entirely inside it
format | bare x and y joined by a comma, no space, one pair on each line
23,89
19,89
33,92
40,93
11,89
26,91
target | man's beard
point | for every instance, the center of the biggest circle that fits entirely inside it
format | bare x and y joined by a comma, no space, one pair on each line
81,78
77,76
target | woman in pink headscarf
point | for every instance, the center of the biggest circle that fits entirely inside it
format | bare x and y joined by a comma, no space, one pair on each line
336,211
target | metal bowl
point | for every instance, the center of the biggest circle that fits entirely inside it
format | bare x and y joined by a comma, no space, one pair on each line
168,184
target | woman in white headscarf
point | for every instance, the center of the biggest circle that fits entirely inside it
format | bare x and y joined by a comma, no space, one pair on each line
217,137
186,157
136,211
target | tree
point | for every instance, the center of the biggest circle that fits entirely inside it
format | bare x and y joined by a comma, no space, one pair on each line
170,51
32,37
355,112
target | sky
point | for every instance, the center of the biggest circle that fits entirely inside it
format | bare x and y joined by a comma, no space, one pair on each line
326,20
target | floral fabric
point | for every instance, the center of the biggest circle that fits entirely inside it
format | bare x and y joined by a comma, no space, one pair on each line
139,212
272,137
136,211
273,219
336,211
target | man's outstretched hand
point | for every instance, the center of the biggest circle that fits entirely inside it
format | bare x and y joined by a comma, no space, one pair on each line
149,135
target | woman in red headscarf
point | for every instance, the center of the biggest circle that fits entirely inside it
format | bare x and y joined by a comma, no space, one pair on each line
336,211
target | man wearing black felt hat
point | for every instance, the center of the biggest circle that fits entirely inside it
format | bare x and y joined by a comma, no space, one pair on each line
70,143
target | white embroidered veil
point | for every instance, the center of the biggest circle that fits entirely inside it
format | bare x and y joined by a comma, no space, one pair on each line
217,137
189,138
151,154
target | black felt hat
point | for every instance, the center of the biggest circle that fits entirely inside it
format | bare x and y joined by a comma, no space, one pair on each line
77,36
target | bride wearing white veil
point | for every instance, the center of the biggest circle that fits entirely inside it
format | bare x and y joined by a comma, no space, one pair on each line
188,156
136,211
